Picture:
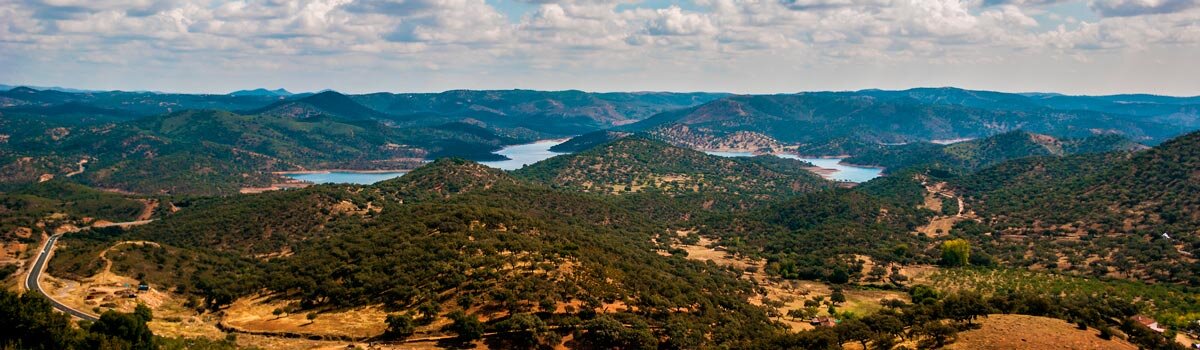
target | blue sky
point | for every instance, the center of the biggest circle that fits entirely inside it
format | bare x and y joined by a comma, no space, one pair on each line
744,46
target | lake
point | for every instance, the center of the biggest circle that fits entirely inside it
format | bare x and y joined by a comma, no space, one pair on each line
520,156
841,172
344,177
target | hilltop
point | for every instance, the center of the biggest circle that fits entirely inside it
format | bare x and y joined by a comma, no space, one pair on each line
835,123
975,154
637,164
330,104
262,92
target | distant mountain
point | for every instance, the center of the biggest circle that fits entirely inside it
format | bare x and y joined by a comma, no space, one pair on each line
552,112
826,123
975,154
213,152
329,104
4,87
637,164
24,95
262,92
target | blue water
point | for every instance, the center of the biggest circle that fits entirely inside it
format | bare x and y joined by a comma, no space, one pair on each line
842,172
342,177
520,156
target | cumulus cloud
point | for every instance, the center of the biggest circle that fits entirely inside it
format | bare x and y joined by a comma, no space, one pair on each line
1022,2
1125,8
617,35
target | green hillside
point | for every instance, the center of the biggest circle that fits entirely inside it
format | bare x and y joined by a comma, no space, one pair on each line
827,123
477,240
1120,204
972,155
638,164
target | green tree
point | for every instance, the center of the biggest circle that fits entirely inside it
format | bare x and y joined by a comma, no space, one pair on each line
964,306
143,312
429,311
956,252
130,328
400,326
935,334
525,330
882,341
837,297
854,330
922,294
683,334
466,326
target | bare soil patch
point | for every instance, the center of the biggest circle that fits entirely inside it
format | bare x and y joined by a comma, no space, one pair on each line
784,295
256,314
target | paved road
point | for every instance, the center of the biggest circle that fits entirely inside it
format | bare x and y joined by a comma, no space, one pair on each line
33,283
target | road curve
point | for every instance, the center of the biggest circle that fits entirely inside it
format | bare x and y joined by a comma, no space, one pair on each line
33,282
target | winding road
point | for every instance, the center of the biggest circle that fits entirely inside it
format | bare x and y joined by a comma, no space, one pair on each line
33,282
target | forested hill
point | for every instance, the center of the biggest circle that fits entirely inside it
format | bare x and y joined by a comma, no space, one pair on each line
975,154
586,141
491,250
638,164
554,112
328,103
208,152
829,123
154,143
1147,200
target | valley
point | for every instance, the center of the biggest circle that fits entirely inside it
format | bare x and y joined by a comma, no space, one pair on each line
532,219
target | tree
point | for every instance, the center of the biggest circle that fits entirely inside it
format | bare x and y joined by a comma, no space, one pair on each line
143,312
839,275
935,333
838,296
683,334
964,306
429,311
400,326
466,326
125,327
30,321
525,330
956,252
881,322
882,341
854,330
877,273
802,313
604,331
922,294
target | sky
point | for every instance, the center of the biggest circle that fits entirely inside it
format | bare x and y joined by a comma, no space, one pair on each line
740,46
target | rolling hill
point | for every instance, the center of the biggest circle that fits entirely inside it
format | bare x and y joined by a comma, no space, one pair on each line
1136,212
478,242
975,154
838,123
638,164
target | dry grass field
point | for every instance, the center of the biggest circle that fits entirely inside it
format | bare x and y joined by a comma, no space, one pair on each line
1003,332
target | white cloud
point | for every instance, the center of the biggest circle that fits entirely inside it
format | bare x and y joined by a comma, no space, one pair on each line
1124,8
605,37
